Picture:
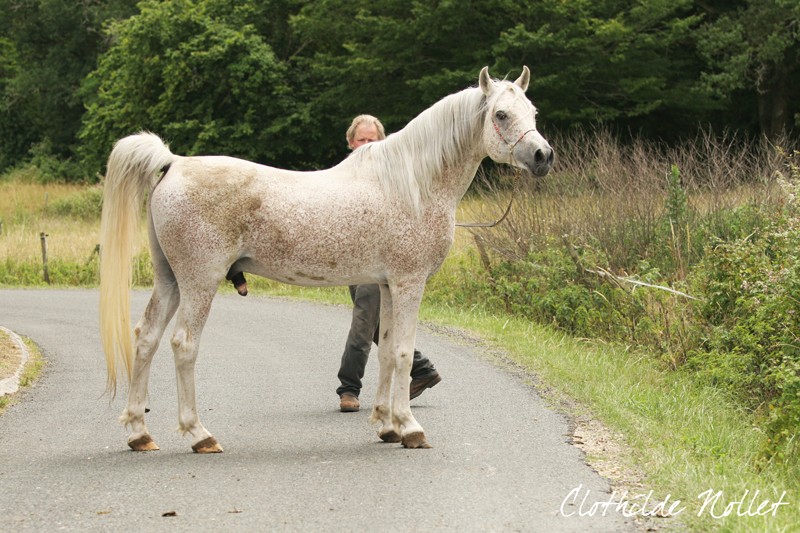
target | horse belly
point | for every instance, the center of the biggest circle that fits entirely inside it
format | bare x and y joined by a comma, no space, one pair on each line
310,251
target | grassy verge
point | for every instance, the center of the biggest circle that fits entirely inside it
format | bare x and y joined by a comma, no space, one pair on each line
33,369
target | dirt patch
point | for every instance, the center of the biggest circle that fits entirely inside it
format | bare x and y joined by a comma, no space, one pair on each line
10,355
607,454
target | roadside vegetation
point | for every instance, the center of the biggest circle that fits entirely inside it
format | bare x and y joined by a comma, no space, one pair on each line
8,365
654,289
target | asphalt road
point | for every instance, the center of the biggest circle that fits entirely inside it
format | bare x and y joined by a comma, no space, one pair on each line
500,460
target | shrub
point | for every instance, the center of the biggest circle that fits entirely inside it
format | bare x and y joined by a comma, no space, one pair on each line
54,169
84,205
751,317
580,248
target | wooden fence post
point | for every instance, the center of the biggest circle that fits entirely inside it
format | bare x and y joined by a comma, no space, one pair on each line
43,238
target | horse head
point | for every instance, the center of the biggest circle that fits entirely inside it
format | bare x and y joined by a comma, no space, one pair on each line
509,130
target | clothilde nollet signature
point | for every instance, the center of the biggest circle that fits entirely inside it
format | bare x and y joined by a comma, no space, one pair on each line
712,503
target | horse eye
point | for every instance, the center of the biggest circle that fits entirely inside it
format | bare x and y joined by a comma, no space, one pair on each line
501,115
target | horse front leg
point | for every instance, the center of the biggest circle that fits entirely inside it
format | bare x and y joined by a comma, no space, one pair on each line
406,315
149,330
192,315
398,360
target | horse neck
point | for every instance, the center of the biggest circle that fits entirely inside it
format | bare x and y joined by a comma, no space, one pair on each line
455,180
436,154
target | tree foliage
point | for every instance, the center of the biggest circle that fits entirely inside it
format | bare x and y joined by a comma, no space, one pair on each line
196,72
754,46
619,63
47,47
278,81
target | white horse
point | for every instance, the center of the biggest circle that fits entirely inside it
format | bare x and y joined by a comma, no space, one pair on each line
385,215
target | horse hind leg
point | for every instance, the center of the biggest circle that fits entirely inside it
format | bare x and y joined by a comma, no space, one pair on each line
192,314
389,430
149,330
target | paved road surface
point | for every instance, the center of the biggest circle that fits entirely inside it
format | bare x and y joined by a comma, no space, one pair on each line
266,378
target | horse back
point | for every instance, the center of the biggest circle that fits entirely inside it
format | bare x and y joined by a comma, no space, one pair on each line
329,227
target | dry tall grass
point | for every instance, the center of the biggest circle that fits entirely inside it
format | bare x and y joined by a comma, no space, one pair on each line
602,192
613,195
23,208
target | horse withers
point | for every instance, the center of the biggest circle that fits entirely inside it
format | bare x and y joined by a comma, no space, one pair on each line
385,215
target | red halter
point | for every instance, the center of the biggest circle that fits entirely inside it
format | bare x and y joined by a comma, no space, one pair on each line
512,146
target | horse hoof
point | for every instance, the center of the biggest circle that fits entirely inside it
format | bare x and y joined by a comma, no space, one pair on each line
144,443
415,440
390,436
209,445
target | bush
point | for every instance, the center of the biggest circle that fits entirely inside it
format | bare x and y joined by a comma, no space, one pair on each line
751,315
553,287
84,205
52,168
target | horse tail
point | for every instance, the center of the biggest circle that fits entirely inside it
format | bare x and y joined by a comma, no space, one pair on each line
134,168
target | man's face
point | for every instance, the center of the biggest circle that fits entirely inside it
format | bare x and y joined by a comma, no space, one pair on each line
365,133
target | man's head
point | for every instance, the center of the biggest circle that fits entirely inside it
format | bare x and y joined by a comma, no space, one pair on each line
364,129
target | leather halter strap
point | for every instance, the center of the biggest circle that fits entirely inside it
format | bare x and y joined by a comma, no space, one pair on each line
512,146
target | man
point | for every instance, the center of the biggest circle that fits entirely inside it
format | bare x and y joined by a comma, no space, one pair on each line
366,310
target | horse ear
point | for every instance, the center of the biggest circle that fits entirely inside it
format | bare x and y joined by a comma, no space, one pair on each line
524,79
485,82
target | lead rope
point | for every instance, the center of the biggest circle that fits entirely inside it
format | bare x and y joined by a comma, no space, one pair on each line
499,220
516,175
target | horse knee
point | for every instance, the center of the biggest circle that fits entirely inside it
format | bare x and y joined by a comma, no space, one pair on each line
182,347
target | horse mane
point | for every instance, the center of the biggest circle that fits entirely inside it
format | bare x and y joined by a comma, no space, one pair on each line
408,161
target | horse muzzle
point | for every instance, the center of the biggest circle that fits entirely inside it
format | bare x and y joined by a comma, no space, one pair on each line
538,159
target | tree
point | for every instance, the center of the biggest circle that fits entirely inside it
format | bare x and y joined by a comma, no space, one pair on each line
393,58
14,140
198,73
615,63
753,46
46,48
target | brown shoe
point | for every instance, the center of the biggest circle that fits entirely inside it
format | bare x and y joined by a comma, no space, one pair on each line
420,384
348,403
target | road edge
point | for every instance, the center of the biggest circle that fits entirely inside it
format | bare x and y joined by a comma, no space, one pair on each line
10,385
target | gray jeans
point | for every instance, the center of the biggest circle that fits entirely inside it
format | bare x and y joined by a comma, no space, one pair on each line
364,330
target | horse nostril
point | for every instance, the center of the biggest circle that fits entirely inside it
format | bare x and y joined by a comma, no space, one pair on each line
551,157
543,156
